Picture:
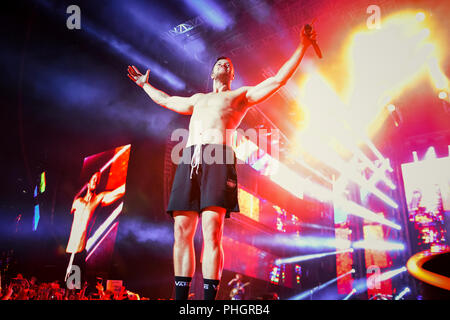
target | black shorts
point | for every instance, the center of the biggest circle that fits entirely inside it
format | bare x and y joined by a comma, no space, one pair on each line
213,183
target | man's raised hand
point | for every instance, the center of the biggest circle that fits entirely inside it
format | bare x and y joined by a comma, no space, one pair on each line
139,78
308,36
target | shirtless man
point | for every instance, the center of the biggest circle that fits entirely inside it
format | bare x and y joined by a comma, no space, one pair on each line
83,209
210,190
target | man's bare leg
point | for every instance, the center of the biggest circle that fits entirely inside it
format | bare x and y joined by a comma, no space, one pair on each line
69,267
185,226
212,263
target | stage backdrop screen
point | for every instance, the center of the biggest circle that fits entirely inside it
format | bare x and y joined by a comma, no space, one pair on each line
427,192
427,184
97,206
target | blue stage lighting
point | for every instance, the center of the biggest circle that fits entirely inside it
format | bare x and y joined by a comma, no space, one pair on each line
378,245
303,242
212,13
307,293
310,257
350,294
403,293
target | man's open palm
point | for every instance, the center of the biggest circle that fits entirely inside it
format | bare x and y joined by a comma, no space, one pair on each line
135,75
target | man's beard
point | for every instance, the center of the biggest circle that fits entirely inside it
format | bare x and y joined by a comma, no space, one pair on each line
223,77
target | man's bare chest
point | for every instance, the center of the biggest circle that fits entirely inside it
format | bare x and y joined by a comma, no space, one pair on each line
84,207
222,103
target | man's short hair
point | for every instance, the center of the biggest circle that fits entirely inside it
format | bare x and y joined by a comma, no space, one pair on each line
220,58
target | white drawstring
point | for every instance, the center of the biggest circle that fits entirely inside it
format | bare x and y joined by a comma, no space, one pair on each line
195,161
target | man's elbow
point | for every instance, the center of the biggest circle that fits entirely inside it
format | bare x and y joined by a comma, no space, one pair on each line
276,84
280,81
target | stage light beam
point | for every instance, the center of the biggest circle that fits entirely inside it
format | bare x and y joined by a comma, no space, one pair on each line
350,294
362,212
212,13
391,274
379,245
309,257
307,293
128,51
403,293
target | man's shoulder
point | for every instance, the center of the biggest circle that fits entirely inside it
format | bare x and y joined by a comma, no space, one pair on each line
241,93
196,97
242,89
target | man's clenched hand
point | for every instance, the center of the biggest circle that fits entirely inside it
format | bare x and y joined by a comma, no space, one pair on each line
308,36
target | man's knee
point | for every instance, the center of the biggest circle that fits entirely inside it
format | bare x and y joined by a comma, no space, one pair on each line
212,233
184,229
212,237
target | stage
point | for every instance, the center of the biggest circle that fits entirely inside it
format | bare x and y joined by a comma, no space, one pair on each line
337,183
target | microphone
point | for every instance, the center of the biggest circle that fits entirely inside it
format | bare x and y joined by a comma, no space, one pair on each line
308,31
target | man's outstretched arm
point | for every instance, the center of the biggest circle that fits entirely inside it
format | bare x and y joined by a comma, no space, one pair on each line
74,205
109,197
265,89
183,105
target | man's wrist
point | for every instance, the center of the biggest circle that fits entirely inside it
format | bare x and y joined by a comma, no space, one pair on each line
303,47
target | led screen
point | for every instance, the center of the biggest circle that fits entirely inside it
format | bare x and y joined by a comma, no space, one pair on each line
97,206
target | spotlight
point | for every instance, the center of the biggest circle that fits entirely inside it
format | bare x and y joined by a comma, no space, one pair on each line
425,32
443,95
420,16
391,107
395,114
403,293
350,294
